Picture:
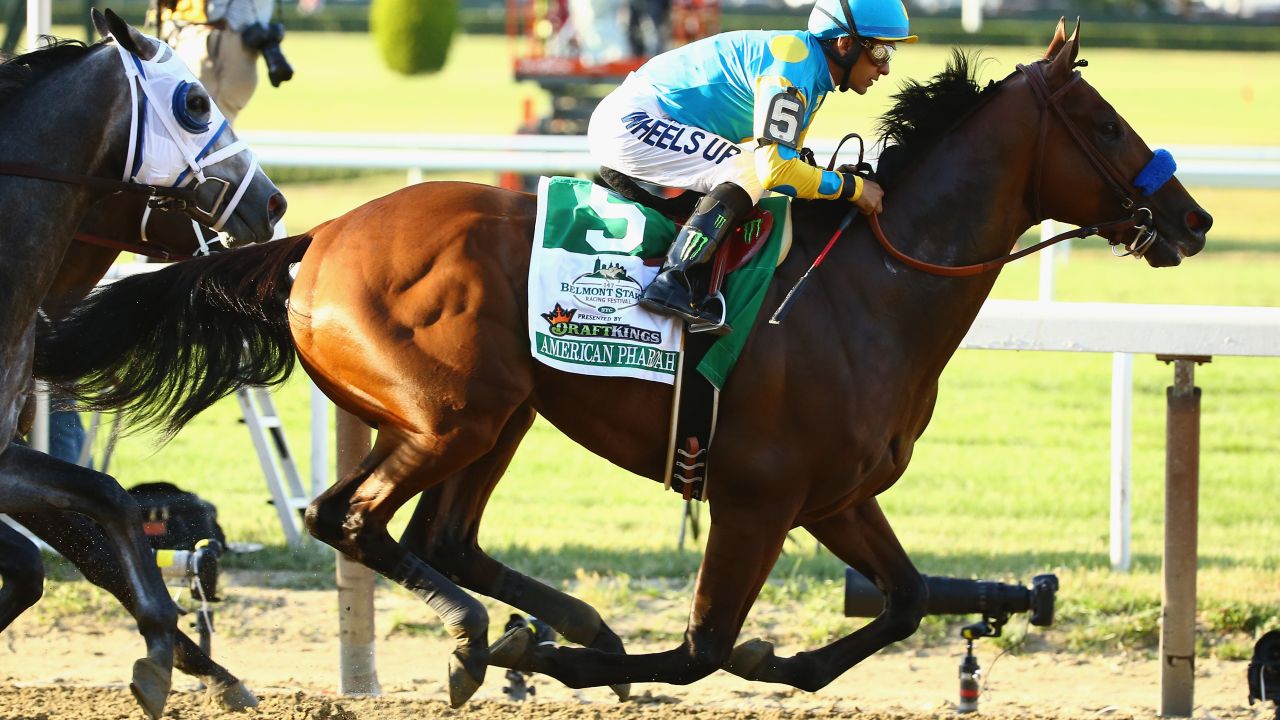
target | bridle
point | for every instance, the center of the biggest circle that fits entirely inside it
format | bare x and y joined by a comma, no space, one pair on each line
182,194
1142,217
1139,217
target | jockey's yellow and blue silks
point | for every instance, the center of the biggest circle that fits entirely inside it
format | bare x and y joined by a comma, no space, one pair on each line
725,83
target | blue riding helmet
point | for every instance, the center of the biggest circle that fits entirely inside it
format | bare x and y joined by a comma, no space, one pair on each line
872,19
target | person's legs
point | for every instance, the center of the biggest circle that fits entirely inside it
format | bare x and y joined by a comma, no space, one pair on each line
628,133
675,290
66,435
231,75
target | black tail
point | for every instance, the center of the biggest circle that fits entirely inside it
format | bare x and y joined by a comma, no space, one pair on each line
163,346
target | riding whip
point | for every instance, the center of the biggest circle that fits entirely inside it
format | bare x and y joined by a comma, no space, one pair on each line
781,313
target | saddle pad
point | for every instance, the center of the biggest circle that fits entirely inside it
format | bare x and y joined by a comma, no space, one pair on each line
585,276
586,272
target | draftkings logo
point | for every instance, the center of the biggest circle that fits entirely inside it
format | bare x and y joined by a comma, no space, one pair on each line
560,323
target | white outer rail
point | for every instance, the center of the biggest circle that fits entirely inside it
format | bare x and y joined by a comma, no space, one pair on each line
1126,328
1200,165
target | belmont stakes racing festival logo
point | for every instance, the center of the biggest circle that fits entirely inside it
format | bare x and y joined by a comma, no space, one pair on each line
607,289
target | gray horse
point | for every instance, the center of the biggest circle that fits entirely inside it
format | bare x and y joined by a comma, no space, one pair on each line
73,119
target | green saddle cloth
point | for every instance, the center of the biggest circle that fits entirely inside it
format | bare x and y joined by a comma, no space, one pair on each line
569,213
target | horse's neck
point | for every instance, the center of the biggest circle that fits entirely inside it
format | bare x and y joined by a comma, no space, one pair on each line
57,124
964,204
83,266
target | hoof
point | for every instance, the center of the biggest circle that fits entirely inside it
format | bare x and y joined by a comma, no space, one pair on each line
466,674
750,658
622,691
231,698
512,650
150,686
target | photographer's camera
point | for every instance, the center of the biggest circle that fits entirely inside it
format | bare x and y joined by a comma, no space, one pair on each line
265,38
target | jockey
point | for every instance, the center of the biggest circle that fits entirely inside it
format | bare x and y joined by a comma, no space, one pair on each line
727,116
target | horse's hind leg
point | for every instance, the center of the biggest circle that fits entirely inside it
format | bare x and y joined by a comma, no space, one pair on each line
444,531
742,546
352,517
82,543
22,573
861,537
31,481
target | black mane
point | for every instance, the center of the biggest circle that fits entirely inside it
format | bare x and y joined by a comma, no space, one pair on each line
19,72
923,112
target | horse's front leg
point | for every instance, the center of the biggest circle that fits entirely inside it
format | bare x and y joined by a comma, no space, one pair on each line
31,481
742,546
21,575
79,540
861,537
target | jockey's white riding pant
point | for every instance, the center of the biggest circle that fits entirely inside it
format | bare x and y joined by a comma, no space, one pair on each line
629,133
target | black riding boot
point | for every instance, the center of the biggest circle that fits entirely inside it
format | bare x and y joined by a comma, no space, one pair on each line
675,291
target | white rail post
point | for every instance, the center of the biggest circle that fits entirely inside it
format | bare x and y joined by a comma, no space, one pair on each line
39,21
40,426
359,674
1047,257
1121,460
971,15
321,410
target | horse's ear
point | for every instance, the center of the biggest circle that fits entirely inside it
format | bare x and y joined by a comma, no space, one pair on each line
1059,39
99,22
129,37
1063,62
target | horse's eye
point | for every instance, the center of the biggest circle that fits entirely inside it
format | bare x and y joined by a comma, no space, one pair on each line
197,104
1110,130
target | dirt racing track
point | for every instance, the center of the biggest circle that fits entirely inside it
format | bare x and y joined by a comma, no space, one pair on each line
283,644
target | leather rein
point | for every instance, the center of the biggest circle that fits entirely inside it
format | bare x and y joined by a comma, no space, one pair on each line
1139,218
159,197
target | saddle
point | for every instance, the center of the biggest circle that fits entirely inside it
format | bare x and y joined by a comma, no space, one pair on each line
735,252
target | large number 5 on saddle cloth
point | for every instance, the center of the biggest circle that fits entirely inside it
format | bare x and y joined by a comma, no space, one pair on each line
588,268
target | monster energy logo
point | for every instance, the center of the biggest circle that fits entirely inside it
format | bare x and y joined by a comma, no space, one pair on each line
693,245
720,220
751,230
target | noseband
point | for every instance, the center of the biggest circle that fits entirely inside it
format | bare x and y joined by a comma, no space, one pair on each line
1141,217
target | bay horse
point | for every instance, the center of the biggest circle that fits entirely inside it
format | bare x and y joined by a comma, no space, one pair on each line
409,312
73,119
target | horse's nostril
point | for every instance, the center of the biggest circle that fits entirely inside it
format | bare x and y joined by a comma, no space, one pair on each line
1199,221
276,206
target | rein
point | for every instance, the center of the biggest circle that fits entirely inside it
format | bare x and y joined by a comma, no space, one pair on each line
979,268
176,197
1139,218
124,246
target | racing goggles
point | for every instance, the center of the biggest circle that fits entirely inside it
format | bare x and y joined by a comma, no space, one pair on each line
879,53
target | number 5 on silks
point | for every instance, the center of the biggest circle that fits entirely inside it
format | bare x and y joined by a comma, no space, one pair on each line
782,121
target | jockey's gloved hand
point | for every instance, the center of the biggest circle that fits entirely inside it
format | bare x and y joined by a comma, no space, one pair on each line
871,200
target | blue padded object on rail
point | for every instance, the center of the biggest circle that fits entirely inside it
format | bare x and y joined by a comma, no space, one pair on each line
1156,173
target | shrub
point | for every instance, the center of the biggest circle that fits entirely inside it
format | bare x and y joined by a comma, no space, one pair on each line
413,35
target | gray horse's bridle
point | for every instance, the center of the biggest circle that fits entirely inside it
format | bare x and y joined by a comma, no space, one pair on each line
180,195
